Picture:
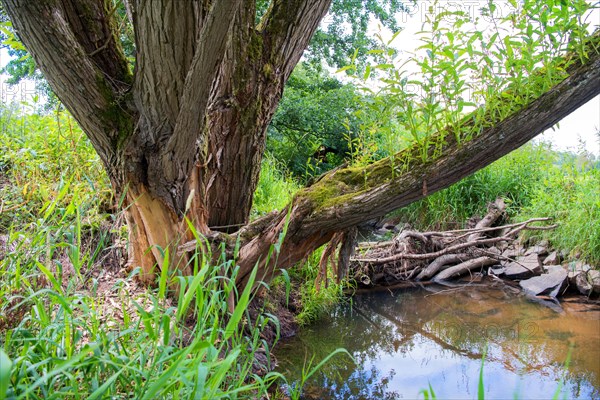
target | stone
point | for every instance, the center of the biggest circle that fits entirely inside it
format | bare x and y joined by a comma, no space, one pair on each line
496,270
588,282
552,259
550,284
576,268
524,267
513,252
537,249
554,268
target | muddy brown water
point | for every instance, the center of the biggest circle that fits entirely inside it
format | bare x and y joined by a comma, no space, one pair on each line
405,340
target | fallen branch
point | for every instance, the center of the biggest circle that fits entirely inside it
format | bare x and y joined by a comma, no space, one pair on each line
464,267
439,263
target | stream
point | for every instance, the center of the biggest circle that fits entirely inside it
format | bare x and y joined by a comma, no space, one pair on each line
405,340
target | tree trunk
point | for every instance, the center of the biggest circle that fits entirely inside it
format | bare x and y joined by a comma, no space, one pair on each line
257,64
346,197
183,136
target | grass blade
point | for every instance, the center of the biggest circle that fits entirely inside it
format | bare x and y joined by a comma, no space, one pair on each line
5,367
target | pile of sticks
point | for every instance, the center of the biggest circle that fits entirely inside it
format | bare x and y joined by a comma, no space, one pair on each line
438,256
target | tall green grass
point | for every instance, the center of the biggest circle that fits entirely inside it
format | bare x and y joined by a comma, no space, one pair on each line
571,196
535,181
275,188
73,339
513,177
39,155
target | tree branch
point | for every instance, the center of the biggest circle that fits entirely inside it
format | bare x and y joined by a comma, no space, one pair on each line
287,28
75,46
346,197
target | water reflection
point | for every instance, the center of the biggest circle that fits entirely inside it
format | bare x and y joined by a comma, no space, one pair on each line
403,341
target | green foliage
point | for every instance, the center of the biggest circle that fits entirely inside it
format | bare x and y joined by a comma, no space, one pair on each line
39,157
466,77
571,196
346,30
315,303
275,188
69,331
310,116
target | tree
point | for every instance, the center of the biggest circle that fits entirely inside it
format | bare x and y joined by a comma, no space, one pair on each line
182,136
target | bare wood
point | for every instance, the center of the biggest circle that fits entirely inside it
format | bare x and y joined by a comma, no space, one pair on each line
439,263
428,256
490,229
464,267
496,209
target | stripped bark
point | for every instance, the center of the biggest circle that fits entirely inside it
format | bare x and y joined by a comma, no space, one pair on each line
418,256
464,267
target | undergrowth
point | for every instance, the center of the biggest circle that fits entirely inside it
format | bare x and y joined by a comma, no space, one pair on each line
535,181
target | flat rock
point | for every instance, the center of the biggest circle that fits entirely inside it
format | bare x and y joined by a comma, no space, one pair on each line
555,268
550,284
524,267
513,252
537,249
552,259
496,270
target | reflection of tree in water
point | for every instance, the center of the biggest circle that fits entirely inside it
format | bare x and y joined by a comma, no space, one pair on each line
361,384
459,323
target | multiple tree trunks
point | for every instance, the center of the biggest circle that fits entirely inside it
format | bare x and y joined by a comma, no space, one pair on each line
438,255
183,134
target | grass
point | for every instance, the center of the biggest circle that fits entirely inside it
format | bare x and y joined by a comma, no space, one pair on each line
74,324
535,181
571,196
93,336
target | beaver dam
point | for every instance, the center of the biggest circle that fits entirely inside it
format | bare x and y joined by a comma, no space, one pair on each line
430,306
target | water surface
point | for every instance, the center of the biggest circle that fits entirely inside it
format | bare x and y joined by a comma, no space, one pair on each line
405,340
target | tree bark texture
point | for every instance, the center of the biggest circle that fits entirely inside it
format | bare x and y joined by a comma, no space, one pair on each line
184,133
182,136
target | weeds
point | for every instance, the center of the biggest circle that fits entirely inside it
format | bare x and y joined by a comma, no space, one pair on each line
73,343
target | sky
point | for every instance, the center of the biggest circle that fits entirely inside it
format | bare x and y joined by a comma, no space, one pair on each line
582,126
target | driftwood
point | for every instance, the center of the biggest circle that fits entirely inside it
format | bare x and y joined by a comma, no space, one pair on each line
438,256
